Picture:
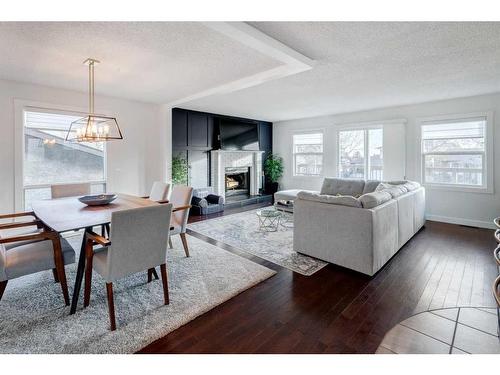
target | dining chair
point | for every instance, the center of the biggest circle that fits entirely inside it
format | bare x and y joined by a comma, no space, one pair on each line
137,243
69,190
25,254
181,200
160,192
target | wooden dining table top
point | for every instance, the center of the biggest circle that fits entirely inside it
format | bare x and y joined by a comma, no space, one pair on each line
67,214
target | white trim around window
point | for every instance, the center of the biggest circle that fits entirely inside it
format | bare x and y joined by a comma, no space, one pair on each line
20,107
487,154
322,153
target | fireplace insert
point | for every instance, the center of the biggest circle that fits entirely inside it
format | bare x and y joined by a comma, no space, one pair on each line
237,181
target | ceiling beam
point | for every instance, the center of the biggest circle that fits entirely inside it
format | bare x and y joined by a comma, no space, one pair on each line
292,62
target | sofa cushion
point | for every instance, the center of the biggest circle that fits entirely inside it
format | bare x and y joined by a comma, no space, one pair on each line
409,185
286,195
394,190
370,200
334,186
370,186
345,200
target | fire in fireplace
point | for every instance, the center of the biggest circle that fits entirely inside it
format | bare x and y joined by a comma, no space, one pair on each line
237,181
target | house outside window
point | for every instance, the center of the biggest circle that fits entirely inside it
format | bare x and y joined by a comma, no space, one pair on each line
454,152
361,154
308,154
48,159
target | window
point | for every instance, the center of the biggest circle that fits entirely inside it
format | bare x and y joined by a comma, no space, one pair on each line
308,154
48,159
454,152
361,154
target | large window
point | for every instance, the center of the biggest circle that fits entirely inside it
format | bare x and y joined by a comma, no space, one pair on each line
308,154
361,154
49,159
454,152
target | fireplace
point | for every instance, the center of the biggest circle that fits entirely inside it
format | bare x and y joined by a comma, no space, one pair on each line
237,181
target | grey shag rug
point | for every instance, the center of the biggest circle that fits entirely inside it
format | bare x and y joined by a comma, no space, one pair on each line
241,230
35,320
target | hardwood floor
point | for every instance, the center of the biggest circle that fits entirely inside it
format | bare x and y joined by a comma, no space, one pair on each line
341,311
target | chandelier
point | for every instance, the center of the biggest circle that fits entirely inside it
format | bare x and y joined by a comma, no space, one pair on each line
93,127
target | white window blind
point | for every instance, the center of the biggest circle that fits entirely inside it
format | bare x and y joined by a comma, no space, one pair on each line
308,154
454,152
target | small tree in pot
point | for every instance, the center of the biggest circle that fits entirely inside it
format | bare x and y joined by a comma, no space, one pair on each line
273,169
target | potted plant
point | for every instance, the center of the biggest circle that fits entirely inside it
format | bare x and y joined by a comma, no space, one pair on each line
273,170
179,170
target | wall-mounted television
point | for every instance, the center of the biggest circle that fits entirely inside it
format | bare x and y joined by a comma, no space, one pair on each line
236,135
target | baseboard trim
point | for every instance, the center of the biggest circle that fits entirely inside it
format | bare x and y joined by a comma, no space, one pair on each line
461,221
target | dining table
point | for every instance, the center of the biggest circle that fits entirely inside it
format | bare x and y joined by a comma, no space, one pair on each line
68,214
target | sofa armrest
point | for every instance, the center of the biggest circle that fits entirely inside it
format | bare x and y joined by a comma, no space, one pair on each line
335,233
200,202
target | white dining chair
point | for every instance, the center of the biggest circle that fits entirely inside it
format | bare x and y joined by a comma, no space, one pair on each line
25,254
181,200
160,192
69,190
137,243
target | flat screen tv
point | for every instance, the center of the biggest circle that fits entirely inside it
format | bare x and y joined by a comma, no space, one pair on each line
238,136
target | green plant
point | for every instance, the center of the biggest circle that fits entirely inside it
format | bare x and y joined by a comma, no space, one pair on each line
273,167
179,170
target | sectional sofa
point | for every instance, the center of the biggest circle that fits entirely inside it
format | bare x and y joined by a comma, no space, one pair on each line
357,224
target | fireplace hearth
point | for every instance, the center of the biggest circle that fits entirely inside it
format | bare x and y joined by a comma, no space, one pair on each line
237,181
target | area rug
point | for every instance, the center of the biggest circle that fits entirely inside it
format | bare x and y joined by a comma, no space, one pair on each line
35,320
241,230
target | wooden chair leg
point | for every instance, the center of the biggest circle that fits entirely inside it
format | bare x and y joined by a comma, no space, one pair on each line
163,271
54,272
61,273
185,243
3,285
170,242
111,306
151,273
89,257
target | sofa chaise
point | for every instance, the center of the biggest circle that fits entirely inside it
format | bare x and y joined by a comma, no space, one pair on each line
357,224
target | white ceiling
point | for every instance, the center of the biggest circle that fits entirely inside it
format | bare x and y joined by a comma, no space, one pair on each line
223,69
146,61
365,65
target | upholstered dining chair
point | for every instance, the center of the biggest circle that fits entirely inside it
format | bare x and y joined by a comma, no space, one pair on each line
24,254
137,243
181,200
160,192
69,190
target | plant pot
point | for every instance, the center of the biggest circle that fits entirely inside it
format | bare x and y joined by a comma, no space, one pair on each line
272,187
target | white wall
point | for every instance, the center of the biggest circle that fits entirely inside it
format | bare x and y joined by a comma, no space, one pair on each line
132,164
476,209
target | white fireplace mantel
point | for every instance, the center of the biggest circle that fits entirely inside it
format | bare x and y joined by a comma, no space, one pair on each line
222,159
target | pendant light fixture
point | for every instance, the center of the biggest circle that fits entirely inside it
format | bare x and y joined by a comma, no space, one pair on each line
93,127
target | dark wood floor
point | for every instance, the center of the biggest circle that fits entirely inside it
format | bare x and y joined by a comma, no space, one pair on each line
341,311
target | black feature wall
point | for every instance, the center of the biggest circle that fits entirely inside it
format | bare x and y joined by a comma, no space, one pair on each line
195,134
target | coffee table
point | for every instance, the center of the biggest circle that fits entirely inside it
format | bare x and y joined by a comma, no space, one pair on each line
269,220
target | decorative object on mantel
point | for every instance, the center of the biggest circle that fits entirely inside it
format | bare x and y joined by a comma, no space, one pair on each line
273,170
93,127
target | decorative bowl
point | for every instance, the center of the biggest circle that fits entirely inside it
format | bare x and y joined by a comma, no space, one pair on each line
97,200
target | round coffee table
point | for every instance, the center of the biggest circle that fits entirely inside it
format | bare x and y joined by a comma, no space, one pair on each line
269,220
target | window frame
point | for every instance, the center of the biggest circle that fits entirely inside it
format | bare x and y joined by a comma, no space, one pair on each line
488,160
366,129
314,131
21,107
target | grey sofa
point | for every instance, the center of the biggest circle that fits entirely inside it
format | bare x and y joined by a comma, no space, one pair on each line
357,224
204,202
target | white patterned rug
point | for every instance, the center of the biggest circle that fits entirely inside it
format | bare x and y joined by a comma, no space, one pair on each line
35,320
241,230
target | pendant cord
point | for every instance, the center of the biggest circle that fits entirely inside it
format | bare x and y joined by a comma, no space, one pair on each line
91,87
